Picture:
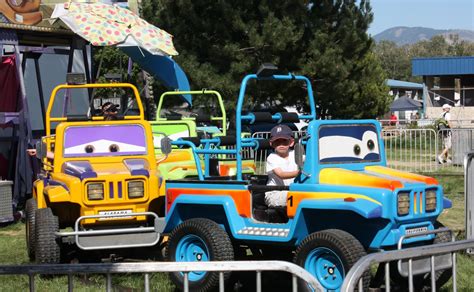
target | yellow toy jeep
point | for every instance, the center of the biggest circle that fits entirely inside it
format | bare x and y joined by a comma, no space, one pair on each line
99,185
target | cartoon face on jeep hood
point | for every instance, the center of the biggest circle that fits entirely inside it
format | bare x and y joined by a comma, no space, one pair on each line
351,143
104,140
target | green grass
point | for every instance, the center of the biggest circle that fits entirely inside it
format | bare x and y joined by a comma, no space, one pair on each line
453,186
465,270
13,251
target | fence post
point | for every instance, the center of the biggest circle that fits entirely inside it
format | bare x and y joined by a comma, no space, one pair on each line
109,283
221,282
259,281
147,282
295,283
32,282
70,284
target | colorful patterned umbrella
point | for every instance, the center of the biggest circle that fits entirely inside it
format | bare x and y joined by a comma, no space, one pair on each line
106,25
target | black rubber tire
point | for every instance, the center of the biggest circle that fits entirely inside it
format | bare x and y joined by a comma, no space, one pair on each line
343,244
48,250
217,242
30,213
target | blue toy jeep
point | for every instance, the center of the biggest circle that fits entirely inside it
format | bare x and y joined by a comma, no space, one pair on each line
344,204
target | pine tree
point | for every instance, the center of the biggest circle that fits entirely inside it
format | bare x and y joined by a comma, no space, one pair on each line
348,80
221,41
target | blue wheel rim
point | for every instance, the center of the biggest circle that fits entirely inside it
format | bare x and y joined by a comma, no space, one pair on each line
192,248
327,267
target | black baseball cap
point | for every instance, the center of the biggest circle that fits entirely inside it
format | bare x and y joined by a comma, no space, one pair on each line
281,132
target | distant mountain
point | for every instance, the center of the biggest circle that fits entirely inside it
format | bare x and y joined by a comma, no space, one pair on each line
402,35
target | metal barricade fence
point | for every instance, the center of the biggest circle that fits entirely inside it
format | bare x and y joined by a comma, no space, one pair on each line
423,123
411,149
352,279
469,196
161,267
461,143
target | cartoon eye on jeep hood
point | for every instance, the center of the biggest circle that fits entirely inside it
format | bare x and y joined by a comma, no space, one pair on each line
104,140
348,144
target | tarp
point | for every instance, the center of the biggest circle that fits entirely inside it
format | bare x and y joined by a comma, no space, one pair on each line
9,84
161,67
405,103
9,93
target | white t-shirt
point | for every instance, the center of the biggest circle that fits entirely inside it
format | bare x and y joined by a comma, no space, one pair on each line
446,116
285,164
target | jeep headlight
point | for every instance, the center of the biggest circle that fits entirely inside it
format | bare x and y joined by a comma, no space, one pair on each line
136,189
95,191
403,203
430,200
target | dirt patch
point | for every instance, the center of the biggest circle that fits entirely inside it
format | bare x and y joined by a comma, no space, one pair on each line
11,232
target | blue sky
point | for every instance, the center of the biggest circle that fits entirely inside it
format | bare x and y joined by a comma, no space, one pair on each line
439,14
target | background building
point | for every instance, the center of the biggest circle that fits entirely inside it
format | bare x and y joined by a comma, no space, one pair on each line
447,80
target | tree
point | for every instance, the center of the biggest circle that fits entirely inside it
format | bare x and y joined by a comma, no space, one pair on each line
221,41
111,60
348,78
395,61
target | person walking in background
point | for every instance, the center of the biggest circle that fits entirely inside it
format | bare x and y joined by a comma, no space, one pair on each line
444,125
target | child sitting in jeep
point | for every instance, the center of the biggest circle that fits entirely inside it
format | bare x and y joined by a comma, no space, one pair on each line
281,166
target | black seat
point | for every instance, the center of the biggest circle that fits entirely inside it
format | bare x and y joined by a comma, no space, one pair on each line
258,200
277,214
259,208
261,211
